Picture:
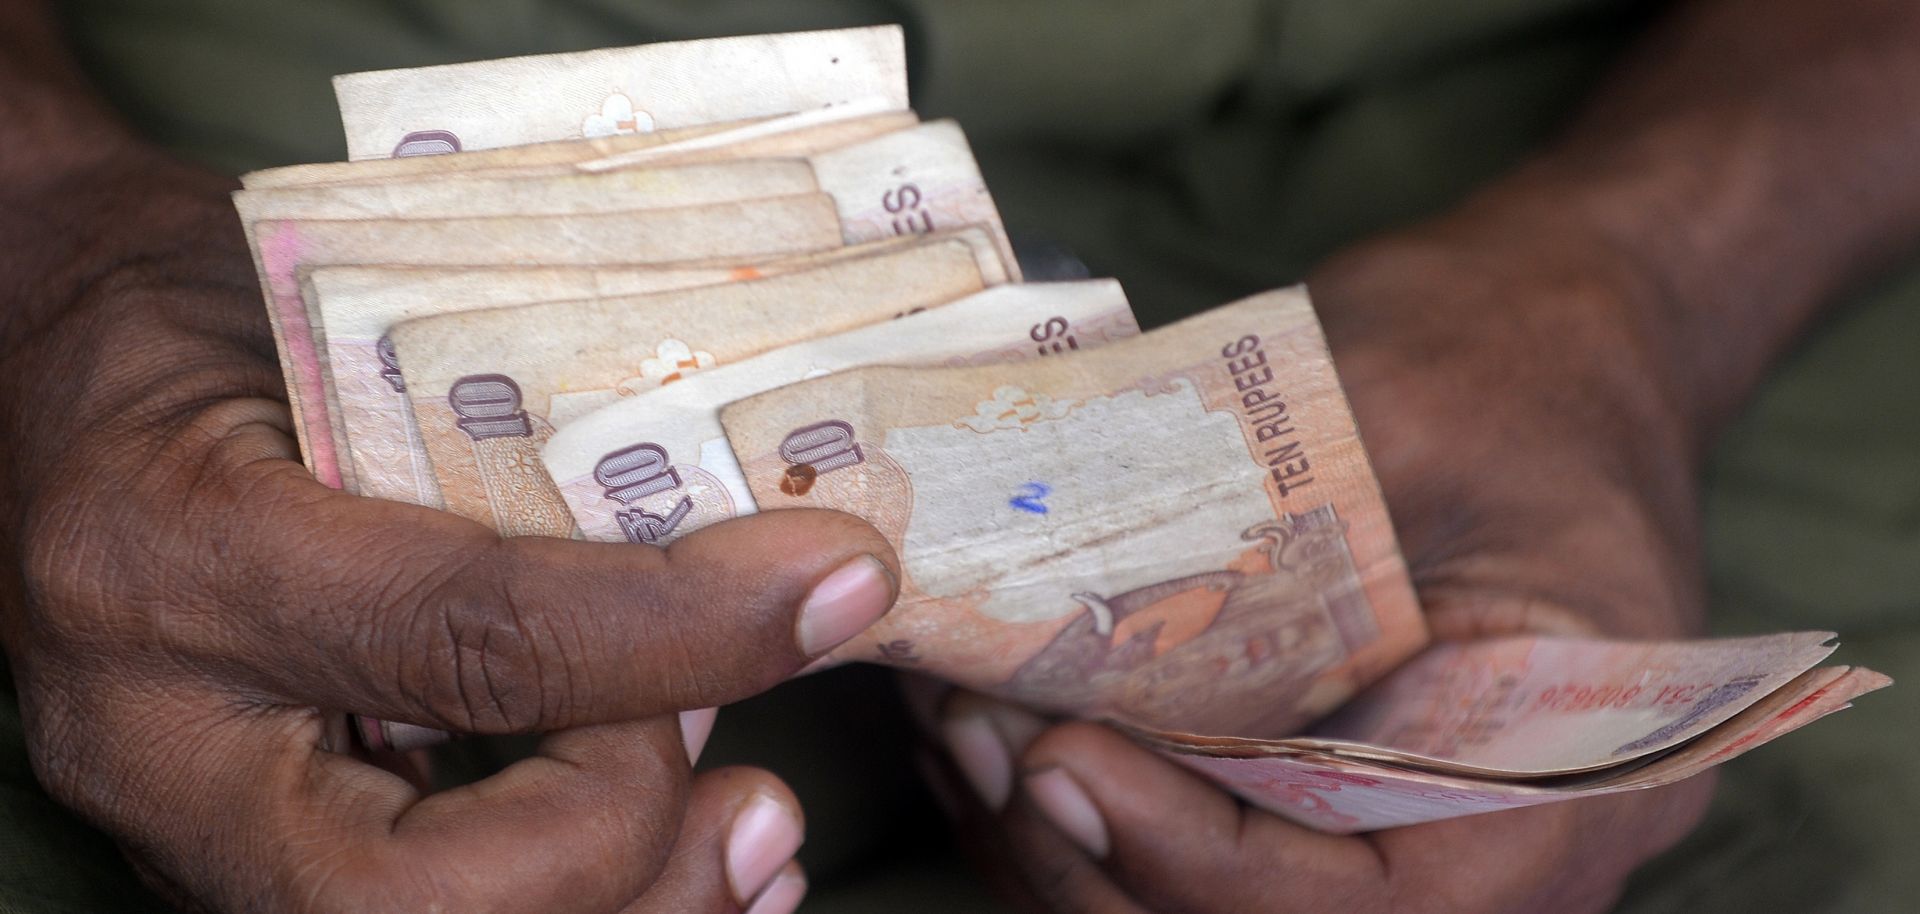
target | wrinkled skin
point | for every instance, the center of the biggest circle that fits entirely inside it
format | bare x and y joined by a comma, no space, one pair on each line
186,610
1536,376
1509,525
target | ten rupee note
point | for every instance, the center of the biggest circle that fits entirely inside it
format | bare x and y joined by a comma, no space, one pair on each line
1180,530
483,383
653,468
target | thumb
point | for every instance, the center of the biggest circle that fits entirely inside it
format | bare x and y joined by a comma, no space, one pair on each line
429,619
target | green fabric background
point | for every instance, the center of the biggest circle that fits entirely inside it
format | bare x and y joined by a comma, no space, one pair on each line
1198,151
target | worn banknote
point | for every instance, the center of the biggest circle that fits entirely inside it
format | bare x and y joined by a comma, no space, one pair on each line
358,305
761,228
1532,706
918,180
652,468
1179,531
569,192
913,181
465,197
796,135
1343,795
483,383
625,294
790,136
521,100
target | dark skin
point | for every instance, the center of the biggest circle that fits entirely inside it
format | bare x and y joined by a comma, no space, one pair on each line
186,609
1537,375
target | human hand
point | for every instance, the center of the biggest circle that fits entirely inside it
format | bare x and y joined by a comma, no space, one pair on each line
1538,483
191,609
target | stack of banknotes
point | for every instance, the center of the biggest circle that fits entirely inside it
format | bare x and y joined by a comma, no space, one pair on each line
625,294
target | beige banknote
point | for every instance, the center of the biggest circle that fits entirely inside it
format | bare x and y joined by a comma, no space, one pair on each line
555,157
482,383
1536,706
788,136
916,180
365,393
570,193
652,468
1180,531
793,136
358,305
1346,795
522,100
909,182
762,228
455,198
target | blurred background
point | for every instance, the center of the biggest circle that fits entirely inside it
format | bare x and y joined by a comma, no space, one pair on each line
1198,151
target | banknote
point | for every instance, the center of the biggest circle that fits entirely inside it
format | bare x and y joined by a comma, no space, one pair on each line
555,155
563,195
1180,531
916,180
656,467
1536,706
761,228
484,193
913,181
482,383
692,280
567,406
572,194
795,135
365,393
910,182
521,100
364,388
1347,795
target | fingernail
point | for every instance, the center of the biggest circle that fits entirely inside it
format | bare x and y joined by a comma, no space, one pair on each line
783,894
388,736
982,757
1067,805
695,727
1018,727
764,837
853,597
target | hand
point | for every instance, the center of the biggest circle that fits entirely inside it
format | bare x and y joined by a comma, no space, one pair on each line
1538,485
192,609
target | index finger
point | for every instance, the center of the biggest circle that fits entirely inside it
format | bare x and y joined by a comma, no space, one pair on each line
1177,842
254,814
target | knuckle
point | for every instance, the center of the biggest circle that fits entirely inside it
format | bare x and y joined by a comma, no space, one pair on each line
54,551
66,756
492,658
90,593
112,546
105,753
